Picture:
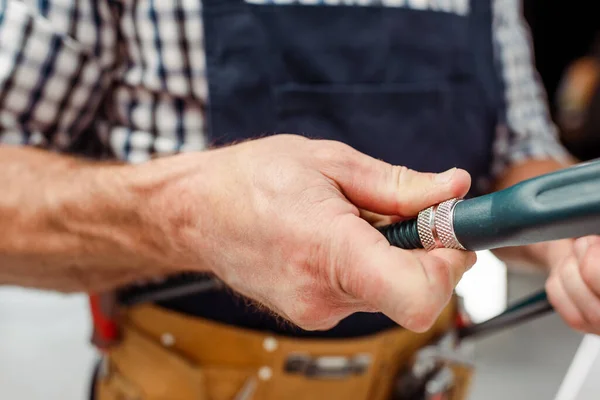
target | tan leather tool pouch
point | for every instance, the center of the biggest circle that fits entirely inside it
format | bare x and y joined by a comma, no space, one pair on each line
204,360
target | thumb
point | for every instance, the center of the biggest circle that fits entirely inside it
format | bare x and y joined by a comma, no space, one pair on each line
394,190
410,287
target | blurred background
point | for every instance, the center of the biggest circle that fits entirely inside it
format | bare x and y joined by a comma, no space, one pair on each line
44,337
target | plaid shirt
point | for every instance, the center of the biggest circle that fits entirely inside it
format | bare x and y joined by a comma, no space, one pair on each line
132,73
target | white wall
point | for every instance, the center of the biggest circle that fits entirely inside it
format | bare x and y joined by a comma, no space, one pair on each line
44,346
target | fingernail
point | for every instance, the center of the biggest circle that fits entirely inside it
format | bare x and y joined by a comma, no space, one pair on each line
446,176
581,246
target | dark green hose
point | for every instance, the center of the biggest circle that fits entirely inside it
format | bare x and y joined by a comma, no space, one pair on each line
403,234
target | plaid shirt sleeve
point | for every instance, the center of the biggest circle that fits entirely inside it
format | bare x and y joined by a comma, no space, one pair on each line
56,60
526,130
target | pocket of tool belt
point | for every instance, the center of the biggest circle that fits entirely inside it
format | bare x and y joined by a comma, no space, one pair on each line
140,369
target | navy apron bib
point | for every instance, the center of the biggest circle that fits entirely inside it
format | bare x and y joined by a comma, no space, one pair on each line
412,87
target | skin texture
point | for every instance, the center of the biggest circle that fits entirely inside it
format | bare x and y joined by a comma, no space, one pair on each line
278,219
71,225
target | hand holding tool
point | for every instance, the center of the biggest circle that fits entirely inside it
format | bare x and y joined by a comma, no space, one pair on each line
560,205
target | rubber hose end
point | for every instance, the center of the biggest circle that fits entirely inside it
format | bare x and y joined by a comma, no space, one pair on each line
403,234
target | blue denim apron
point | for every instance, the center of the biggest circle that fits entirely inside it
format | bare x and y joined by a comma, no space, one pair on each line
414,87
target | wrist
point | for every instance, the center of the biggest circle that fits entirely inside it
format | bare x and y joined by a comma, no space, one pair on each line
172,196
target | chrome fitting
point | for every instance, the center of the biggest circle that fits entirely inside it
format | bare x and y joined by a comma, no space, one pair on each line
436,226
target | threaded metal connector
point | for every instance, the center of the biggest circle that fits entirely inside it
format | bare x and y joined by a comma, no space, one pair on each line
433,228
436,226
444,224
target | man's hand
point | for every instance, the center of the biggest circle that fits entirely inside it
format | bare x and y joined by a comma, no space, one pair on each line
278,220
573,286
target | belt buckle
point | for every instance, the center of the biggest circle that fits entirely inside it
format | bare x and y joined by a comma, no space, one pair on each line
327,367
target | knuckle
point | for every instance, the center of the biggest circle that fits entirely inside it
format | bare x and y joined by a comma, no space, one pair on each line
552,289
312,317
409,186
359,282
549,286
593,317
442,276
299,316
471,259
575,322
588,274
329,150
421,316
399,174
305,324
322,325
314,325
404,176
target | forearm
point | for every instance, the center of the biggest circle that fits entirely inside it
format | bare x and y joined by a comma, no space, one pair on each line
533,256
71,224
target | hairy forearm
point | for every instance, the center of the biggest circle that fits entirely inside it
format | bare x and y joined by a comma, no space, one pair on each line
534,256
70,224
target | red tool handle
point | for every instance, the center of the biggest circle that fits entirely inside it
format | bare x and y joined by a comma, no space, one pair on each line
106,330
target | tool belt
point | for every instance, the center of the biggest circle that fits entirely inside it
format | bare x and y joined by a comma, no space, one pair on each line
164,355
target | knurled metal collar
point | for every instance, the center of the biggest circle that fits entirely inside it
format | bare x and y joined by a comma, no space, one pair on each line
436,226
425,227
444,223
